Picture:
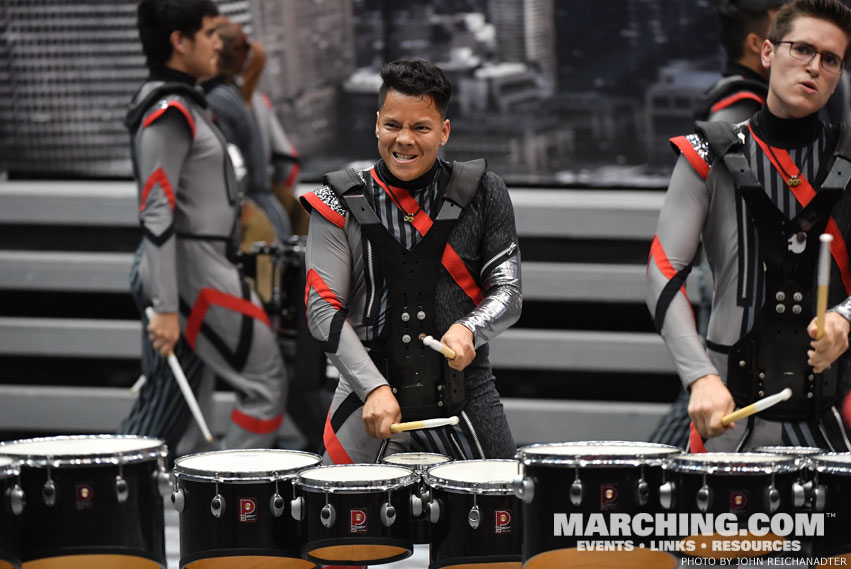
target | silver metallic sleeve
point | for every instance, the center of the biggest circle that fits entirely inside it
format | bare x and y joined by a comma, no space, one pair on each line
843,309
503,301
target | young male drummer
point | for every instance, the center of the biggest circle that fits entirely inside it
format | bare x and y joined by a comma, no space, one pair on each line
412,246
759,194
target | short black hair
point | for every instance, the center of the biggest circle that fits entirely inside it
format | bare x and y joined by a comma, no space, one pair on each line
831,11
416,77
738,18
157,19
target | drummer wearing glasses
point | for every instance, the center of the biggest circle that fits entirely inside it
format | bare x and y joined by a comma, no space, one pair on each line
760,194
412,247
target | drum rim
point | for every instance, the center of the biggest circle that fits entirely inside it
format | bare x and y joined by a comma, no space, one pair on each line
198,475
778,449
823,465
9,469
158,451
687,463
417,466
455,487
355,486
587,459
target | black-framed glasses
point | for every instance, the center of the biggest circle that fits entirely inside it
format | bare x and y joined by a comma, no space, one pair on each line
802,51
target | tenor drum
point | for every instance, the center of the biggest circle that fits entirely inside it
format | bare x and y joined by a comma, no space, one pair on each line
91,501
355,513
477,519
738,486
419,462
581,480
233,509
832,497
12,497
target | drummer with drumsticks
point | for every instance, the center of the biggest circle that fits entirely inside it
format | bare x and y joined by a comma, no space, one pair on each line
760,194
413,247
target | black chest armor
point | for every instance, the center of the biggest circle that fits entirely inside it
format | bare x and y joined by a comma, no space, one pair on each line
772,355
421,379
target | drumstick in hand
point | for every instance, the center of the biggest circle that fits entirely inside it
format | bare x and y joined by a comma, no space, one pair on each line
439,347
823,282
425,424
760,405
183,383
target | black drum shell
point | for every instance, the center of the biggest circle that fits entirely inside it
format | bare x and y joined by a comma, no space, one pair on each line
204,536
370,502
551,496
724,486
455,542
837,520
75,525
10,531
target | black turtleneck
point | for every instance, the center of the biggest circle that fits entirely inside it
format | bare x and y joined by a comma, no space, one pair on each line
415,185
170,75
786,133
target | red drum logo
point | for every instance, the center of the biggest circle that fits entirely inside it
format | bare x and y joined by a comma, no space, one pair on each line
247,510
503,521
608,497
738,502
85,496
357,521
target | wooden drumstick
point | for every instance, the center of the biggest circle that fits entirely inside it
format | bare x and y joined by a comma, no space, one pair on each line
425,424
183,383
823,282
437,346
760,405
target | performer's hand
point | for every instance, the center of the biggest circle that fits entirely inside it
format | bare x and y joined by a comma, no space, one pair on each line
460,339
380,410
832,345
710,401
164,331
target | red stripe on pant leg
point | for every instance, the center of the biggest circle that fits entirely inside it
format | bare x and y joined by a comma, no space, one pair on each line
208,297
333,446
255,425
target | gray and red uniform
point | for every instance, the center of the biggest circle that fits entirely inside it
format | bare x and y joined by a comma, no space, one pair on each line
349,303
704,201
188,208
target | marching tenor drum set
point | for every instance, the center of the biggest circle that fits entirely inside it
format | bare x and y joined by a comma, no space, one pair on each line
97,502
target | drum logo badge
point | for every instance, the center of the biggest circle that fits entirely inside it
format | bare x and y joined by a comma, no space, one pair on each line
247,510
357,521
85,496
608,497
738,502
502,521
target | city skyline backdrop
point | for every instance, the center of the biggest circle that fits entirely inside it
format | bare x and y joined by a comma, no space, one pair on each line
550,92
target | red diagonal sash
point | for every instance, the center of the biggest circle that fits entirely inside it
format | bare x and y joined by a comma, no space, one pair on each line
422,223
804,193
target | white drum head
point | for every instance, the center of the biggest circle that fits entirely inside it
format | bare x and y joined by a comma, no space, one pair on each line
355,477
734,463
248,464
416,459
485,476
596,453
84,449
